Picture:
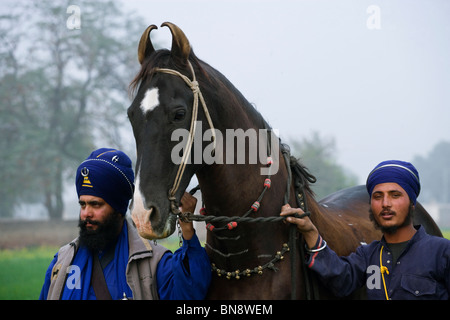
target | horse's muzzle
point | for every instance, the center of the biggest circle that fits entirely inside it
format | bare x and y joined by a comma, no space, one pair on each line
150,225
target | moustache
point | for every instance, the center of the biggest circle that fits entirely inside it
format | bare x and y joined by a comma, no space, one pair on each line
87,220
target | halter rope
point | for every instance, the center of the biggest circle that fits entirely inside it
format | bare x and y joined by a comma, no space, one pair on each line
197,95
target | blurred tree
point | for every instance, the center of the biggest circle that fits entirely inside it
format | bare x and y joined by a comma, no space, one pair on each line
318,154
434,172
63,93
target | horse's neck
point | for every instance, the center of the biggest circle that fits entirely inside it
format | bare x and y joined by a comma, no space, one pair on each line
250,244
230,190
226,188
237,186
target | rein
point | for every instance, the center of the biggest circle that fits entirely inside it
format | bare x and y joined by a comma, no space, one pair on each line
231,222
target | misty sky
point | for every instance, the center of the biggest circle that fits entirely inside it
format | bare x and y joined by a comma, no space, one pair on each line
375,75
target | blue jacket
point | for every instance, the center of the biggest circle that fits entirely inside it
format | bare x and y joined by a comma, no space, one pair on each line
422,271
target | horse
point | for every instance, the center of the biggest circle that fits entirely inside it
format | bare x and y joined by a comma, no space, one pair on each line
181,110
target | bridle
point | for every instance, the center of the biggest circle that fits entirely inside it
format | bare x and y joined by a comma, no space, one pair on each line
197,96
232,222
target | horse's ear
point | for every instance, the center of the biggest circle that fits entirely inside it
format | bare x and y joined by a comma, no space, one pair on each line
145,44
180,43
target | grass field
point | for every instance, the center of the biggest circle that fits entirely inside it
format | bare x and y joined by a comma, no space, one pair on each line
22,271
446,233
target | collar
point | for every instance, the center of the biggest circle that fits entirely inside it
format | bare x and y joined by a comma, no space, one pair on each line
416,237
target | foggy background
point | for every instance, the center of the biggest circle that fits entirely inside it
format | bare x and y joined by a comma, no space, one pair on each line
370,79
380,88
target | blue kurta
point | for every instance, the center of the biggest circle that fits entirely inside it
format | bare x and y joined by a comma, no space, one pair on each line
422,271
175,282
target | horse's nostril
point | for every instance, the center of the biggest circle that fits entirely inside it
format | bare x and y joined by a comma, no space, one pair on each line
154,216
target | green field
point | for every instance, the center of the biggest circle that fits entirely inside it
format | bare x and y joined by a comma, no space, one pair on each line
22,271
446,233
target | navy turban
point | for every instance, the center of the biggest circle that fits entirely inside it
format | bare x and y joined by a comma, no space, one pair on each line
107,173
400,172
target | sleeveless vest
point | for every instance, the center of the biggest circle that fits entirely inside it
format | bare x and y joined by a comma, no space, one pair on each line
141,268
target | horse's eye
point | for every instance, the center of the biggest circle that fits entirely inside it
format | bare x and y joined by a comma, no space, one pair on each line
179,115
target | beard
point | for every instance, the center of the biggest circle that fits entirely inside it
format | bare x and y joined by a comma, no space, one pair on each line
106,232
393,229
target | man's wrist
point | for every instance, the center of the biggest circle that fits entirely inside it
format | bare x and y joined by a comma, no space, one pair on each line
311,238
188,233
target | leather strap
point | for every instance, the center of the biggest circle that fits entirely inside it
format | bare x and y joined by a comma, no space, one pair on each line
98,281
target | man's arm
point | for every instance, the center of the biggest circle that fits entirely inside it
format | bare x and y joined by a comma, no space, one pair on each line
188,204
185,274
342,275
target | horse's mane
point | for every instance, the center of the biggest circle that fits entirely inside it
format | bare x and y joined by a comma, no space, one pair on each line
211,80
163,59
158,59
301,177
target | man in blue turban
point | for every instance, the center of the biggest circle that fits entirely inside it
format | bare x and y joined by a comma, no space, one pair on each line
401,172
387,182
406,263
109,260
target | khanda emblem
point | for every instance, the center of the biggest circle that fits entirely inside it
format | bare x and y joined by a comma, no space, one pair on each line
86,181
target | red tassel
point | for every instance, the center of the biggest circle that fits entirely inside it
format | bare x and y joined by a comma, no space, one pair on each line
267,183
210,227
232,225
255,206
202,211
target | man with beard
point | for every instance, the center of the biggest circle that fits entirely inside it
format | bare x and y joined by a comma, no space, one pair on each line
109,260
406,264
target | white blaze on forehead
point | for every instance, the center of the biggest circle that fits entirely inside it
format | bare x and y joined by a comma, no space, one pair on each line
150,101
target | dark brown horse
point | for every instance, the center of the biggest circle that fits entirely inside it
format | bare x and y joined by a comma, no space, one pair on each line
178,93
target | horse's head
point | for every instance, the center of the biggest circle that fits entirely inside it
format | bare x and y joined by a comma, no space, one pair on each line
163,103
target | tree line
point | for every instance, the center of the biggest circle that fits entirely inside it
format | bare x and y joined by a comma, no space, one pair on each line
63,92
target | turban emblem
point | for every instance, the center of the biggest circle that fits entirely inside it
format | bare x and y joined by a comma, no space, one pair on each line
86,181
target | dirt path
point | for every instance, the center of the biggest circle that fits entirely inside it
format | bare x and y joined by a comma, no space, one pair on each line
16,234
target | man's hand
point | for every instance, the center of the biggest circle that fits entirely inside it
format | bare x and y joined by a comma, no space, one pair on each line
306,227
188,204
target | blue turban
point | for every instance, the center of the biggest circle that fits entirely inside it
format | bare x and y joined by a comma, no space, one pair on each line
107,173
400,172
